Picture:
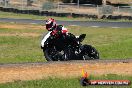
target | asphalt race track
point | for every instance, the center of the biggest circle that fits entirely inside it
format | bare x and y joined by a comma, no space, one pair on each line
73,23
65,69
68,62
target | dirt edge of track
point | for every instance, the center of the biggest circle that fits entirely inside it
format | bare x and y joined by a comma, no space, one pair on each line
13,72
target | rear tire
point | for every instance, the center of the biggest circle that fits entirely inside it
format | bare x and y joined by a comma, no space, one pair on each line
90,53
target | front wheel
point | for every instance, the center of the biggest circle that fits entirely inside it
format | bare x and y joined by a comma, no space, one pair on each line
51,54
89,53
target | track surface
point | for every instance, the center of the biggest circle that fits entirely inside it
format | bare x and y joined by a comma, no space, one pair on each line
79,23
33,71
69,62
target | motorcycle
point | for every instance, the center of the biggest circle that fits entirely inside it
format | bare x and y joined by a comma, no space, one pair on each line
67,47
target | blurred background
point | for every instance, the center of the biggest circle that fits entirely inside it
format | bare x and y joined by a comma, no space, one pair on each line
93,7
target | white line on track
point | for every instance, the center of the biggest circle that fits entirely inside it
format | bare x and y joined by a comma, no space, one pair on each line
12,22
73,25
95,26
115,27
33,23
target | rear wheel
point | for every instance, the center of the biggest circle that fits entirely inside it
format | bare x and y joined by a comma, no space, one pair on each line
89,53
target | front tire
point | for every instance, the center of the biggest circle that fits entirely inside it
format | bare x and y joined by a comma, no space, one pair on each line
50,54
46,54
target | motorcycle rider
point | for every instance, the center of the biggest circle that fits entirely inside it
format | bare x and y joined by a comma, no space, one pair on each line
52,26
54,30
68,39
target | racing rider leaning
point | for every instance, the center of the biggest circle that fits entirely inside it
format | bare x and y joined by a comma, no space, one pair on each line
55,30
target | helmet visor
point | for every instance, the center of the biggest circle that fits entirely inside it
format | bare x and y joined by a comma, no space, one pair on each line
49,25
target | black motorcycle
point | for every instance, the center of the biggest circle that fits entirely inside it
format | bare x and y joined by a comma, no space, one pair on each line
67,47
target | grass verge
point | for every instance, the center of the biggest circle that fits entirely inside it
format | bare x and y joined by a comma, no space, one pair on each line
65,83
35,17
29,16
21,42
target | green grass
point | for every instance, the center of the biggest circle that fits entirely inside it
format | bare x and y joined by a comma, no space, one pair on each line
112,43
18,48
65,82
29,16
